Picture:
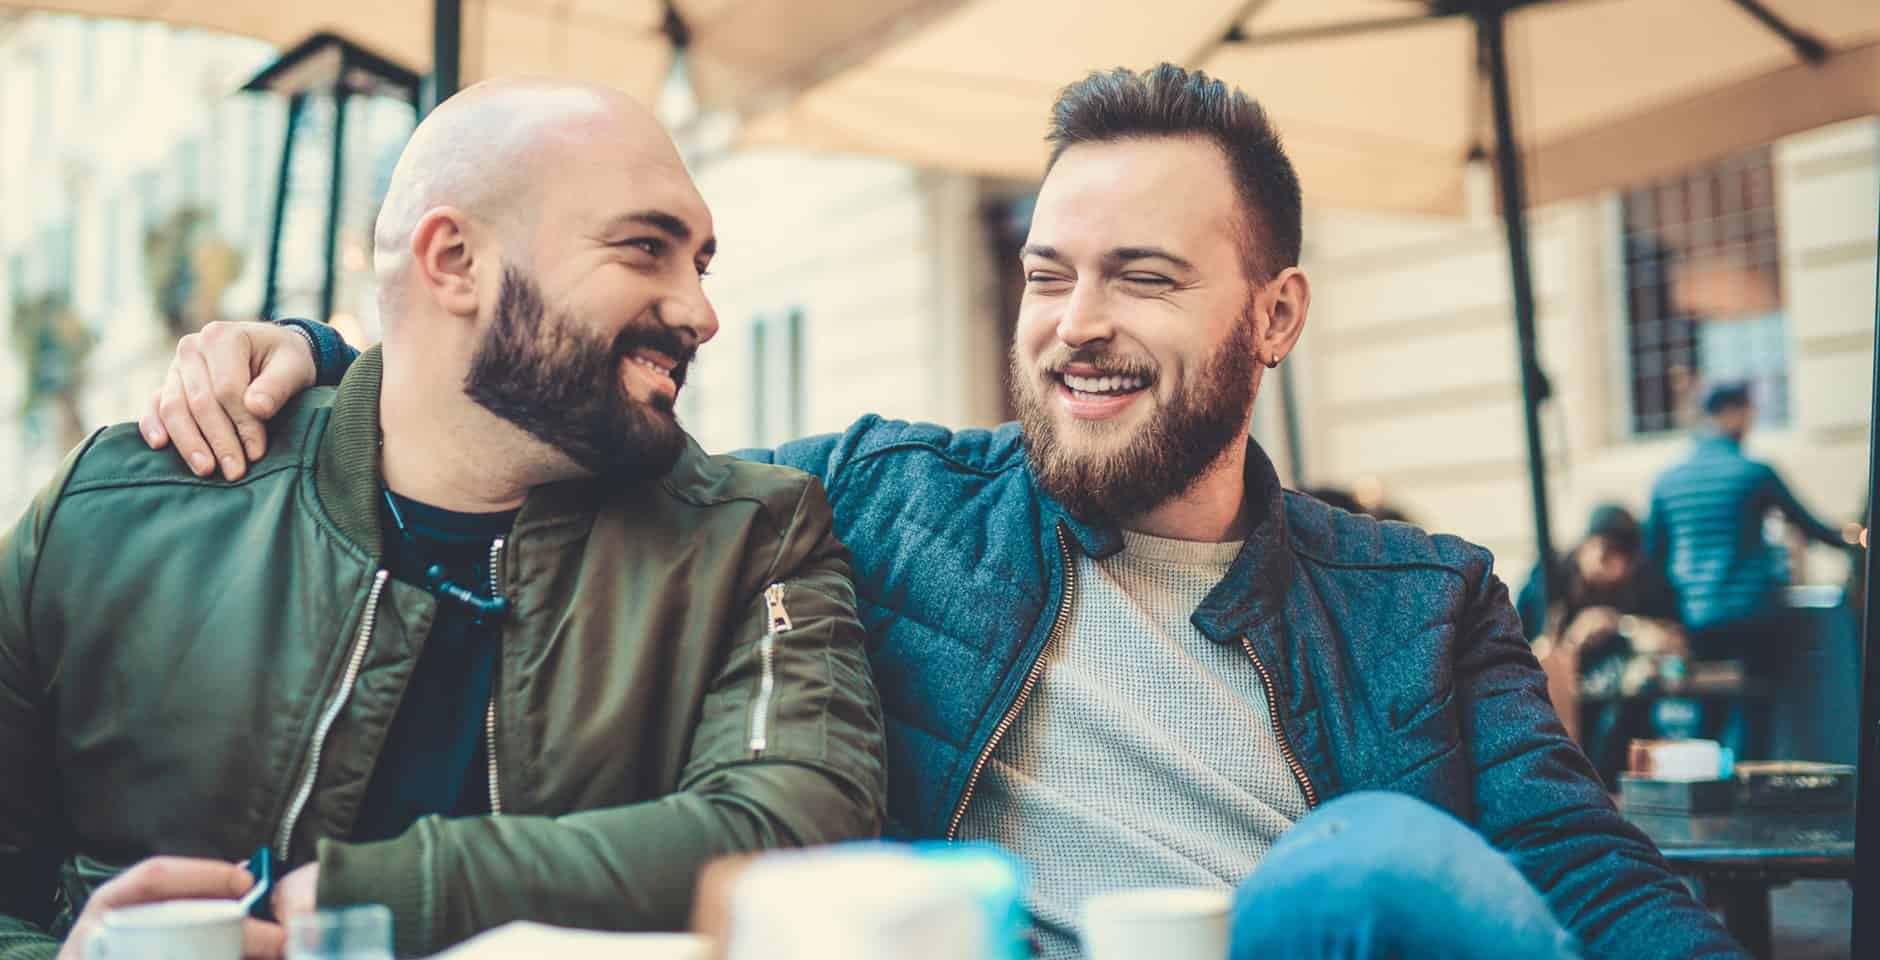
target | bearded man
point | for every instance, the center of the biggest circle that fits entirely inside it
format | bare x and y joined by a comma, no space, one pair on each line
1106,638
488,638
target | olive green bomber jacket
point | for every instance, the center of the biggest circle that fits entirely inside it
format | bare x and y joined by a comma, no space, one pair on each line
199,667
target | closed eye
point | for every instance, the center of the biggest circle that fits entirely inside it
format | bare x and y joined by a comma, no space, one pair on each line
651,246
1147,280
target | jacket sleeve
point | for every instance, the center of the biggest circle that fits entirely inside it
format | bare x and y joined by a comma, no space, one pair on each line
805,767
1783,499
332,355
815,456
29,820
1539,801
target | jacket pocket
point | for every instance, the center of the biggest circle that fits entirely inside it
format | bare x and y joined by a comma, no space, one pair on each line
777,623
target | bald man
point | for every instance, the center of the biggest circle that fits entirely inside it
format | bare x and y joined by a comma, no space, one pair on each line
488,638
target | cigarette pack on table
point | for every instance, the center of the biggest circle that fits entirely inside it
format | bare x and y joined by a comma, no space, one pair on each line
1795,785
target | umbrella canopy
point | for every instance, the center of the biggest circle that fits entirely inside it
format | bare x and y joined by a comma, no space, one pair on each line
741,54
1605,92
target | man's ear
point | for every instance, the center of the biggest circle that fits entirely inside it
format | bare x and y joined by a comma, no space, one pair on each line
1283,303
441,252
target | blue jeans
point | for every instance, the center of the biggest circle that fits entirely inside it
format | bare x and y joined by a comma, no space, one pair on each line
1382,875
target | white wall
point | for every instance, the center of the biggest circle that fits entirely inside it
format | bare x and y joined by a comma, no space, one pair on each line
886,263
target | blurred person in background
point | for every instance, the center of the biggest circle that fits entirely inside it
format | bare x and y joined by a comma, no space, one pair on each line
1705,532
1611,620
1107,639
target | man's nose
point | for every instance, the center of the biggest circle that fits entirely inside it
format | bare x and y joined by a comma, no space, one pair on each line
1085,319
691,311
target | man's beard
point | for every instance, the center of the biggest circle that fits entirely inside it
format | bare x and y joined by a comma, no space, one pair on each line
561,384
1167,455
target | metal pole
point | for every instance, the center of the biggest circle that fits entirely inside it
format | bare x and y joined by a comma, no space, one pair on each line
270,289
446,53
336,193
1295,441
1867,804
1534,390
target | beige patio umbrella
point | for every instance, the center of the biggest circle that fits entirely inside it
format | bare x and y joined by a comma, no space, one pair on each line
740,54
1380,101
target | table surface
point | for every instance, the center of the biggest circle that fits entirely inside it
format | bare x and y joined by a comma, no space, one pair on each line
1801,843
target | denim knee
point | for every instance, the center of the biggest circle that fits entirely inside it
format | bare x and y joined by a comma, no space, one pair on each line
1386,874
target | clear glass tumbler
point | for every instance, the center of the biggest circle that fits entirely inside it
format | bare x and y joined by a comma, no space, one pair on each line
343,933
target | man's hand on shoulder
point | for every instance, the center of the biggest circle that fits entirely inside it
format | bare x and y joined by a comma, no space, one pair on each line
224,383
175,878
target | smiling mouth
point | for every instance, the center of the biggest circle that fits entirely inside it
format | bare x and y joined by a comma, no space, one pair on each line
1101,388
1098,396
661,370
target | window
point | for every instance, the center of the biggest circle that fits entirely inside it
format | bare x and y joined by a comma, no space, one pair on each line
777,378
1703,291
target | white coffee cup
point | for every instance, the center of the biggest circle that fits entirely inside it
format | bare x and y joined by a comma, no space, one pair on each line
1175,923
175,930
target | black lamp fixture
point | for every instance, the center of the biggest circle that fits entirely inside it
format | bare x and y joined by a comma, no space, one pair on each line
323,65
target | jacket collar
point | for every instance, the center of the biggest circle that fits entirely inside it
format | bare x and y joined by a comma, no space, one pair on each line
1255,586
346,469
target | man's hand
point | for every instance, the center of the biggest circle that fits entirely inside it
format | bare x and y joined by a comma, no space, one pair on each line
175,878
297,892
223,385
1590,624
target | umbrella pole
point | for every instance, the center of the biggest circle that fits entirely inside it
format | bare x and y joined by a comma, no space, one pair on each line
1867,805
1534,390
270,287
1295,441
329,285
446,53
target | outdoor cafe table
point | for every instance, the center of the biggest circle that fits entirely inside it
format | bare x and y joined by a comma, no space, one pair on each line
1740,857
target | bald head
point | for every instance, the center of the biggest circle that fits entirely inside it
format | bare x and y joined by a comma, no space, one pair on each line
493,150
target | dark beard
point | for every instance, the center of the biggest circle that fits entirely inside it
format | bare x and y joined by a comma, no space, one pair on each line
561,384
1167,456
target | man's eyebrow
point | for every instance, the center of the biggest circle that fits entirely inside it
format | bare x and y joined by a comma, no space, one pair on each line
1122,255
659,220
1039,250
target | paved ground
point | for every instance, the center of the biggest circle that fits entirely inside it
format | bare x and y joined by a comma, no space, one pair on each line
1812,920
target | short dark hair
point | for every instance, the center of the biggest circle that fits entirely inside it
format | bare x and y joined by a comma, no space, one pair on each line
1724,397
1169,101
1616,525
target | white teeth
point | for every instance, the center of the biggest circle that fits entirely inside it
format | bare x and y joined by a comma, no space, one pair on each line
1103,385
648,364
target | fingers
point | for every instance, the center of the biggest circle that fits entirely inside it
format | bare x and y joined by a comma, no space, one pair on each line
284,365
180,425
212,420
262,940
227,350
172,878
151,423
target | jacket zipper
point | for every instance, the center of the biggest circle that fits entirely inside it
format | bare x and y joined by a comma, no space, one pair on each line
1279,732
489,714
327,717
778,620
1024,693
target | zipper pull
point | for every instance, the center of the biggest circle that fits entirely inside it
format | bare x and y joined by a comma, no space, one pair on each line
773,605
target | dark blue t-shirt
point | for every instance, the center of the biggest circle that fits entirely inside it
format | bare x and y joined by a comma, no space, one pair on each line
433,761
